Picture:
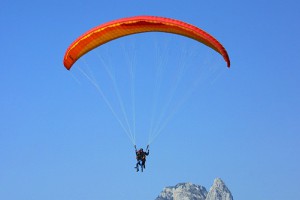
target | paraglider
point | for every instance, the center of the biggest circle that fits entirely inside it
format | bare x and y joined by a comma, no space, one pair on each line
141,158
133,25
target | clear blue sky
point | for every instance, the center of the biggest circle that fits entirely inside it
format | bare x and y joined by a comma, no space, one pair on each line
59,140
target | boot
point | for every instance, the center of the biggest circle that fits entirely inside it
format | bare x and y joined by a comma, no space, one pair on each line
137,169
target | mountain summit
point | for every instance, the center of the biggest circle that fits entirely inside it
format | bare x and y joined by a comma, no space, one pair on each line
219,191
189,191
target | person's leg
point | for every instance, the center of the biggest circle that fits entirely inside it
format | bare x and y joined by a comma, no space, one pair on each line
137,165
144,164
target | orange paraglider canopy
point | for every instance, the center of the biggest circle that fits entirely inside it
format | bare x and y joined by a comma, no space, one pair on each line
139,24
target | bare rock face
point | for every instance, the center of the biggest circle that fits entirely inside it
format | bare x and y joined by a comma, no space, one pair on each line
183,191
219,191
189,191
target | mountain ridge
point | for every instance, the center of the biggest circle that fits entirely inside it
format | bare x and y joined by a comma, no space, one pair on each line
190,191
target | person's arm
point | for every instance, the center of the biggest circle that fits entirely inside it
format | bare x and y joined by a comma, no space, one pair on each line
136,151
147,149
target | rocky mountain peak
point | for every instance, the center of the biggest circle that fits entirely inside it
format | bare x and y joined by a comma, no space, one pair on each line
183,191
219,191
